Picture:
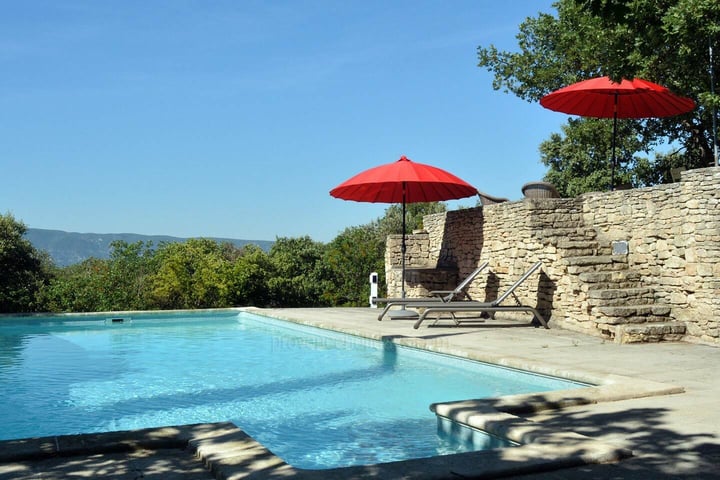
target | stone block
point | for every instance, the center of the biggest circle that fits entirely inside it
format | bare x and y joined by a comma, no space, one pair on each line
675,262
649,332
678,298
706,270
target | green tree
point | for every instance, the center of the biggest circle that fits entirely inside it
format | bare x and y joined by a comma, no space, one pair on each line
297,272
131,266
193,274
23,269
578,158
95,285
666,42
391,222
82,287
249,277
359,251
349,260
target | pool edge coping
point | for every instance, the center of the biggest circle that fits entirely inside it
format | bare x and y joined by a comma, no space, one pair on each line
229,453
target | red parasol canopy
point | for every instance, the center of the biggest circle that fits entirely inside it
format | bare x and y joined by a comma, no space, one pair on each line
602,98
403,181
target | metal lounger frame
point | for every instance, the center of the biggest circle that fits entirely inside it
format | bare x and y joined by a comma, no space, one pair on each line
472,306
442,296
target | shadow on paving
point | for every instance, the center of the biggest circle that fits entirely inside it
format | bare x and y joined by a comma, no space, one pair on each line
143,454
658,452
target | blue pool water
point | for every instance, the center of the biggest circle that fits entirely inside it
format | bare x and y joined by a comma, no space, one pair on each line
317,399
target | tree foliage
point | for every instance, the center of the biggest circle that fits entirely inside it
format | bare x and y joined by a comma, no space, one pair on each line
130,271
578,157
202,273
391,222
297,272
249,277
81,287
23,270
193,274
350,259
662,41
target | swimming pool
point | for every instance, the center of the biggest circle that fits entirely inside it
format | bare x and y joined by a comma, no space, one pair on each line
317,399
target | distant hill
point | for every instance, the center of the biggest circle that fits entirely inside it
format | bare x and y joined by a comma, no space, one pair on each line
67,248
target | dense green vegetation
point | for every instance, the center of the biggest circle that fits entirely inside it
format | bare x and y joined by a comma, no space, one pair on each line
200,273
23,270
664,41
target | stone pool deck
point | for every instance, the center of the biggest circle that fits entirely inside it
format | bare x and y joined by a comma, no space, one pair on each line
655,415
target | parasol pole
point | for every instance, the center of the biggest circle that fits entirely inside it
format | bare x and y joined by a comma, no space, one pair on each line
714,109
402,275
612,168
403,313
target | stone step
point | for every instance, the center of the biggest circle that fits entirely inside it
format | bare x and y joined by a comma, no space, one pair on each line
630,313
611,277
585,251
620,296
614,322
620,302
594,263
571,243
615,293
595,260
650,332
606,267
586,287
561,233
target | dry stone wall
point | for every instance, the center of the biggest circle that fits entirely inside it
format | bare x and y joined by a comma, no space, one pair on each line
630,265
673,235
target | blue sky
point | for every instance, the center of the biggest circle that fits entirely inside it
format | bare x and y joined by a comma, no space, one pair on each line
235,118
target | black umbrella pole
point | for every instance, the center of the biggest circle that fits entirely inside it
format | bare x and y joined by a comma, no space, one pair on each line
614,134
714,109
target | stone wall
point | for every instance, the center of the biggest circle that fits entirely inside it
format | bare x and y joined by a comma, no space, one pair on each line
631,265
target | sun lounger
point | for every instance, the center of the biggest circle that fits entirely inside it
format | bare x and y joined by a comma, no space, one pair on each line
437,295
473,306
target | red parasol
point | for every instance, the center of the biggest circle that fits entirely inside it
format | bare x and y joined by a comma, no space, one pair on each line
403,181
603,98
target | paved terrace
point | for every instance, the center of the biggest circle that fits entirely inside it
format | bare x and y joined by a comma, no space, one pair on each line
656,415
